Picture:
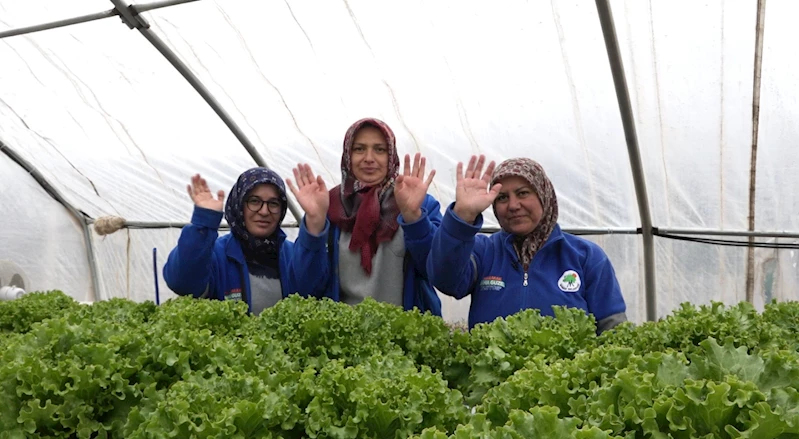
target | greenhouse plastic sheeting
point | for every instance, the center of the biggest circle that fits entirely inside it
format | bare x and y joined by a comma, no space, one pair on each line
778,161
120,134
40,236
109,122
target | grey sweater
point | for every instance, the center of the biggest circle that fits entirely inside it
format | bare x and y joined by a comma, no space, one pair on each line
386,283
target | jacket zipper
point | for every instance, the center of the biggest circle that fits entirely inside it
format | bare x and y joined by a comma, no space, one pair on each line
525,283
524,271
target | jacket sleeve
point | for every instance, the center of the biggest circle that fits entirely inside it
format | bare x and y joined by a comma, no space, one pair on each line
454,261
602,291
309,268
419,234
190,268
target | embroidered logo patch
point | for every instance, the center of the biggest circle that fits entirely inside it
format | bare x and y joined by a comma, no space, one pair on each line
492,283
234,294
569,281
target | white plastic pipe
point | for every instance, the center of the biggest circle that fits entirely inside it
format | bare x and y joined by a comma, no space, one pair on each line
11,293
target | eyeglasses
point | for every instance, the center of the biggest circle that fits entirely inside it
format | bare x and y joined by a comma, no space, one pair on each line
255,204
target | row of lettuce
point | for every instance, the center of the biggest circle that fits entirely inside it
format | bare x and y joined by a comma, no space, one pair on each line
319,369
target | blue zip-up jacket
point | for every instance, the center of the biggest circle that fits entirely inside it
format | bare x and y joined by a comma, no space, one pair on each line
567,270
203,265
418,291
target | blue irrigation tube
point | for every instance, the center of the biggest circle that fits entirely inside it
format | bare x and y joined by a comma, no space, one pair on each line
155,274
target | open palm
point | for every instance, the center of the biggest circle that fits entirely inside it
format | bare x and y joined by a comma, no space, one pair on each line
411,187
202,196
472,195
311,191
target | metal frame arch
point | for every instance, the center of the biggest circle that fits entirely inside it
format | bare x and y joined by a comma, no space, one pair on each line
77,214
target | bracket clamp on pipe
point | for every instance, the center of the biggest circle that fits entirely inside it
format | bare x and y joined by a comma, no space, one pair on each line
130,16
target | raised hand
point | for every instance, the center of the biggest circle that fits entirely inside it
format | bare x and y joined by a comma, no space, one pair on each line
411,188
202,196
472,195
312,195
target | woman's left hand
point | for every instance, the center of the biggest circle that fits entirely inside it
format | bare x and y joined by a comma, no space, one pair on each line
311,193
411,188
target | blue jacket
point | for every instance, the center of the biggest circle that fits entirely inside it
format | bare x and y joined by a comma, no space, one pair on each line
418,236
567,270
203,265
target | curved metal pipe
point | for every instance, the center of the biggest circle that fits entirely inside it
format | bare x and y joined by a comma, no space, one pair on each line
132,19
636,165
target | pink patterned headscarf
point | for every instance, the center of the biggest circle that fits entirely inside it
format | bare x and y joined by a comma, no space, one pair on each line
527,245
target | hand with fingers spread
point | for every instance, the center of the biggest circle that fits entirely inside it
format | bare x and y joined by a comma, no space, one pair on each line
202,196
411,188
311,192
472,195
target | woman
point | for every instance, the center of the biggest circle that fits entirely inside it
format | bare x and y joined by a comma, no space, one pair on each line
382,223
531,263
255,262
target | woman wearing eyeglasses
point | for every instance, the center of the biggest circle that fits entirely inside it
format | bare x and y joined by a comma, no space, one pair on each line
255,262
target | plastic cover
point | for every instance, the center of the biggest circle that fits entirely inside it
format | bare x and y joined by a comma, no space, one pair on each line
115,127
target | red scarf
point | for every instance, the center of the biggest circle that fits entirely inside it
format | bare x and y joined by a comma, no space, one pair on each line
370,225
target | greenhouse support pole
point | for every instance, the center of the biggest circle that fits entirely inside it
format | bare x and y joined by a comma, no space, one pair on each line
56,24
87,18
53,192
750,251
636,165
131,17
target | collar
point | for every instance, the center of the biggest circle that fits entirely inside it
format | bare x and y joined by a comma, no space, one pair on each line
507,239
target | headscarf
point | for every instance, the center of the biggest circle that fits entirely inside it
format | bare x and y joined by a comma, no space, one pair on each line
261,250
368,212
527,245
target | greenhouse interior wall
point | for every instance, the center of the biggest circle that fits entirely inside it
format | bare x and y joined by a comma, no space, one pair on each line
95,114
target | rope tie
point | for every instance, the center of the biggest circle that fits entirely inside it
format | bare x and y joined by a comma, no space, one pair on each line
106,225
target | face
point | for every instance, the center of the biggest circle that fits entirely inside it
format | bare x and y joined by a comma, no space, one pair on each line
262,210
518,207
370,156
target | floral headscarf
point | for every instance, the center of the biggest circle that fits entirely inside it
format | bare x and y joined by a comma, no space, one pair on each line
527,245
259,249
368,212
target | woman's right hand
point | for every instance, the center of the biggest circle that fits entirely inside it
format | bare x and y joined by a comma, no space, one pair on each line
472,195
202,196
